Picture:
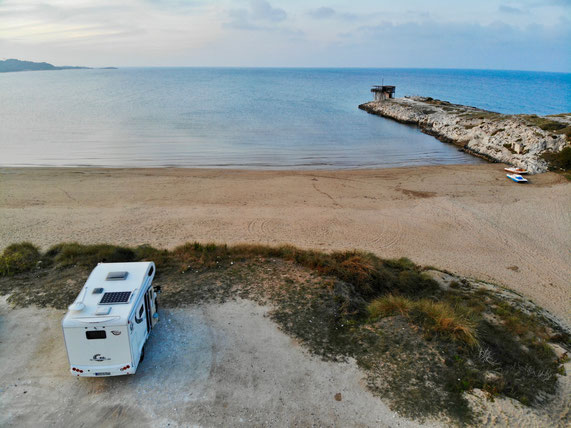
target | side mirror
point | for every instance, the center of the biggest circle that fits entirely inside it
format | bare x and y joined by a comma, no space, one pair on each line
157,289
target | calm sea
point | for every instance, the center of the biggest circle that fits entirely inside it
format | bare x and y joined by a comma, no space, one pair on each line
244,118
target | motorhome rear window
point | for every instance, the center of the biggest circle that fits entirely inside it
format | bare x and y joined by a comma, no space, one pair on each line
95,334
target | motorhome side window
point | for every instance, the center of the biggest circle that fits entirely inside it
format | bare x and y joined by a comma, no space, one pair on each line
96,334
141,311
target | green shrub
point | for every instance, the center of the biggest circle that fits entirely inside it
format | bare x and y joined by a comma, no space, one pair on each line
560,160
199,255
18,258
544,123
161,258
72,253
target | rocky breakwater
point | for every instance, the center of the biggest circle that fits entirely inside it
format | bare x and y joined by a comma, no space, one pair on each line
519,140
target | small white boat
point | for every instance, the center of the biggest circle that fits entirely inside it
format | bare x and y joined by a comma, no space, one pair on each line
517,178
516,170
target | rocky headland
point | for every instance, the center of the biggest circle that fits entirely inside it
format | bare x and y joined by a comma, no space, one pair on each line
12,65
520,140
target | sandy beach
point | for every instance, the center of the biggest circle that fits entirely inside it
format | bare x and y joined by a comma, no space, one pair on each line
470,220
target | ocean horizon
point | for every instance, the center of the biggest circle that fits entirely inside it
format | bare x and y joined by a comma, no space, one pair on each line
246,118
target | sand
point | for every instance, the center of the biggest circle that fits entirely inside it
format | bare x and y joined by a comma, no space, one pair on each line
469,220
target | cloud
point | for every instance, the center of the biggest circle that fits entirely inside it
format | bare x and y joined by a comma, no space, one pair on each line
497,45
322,13
263,10
261,16
240,20
308,33
178,6
510,10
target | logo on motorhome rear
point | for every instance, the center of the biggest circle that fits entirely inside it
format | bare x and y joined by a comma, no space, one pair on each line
99,357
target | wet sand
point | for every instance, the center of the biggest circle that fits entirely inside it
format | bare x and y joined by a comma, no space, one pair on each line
470,220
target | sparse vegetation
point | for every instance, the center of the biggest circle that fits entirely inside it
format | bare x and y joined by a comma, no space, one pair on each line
421,345
544,123
550,125
430,100
69,254
436,317
484,115
560,161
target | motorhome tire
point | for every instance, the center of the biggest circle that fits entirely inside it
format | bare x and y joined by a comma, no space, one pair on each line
142,357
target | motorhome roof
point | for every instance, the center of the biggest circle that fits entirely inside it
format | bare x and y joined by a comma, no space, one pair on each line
109,294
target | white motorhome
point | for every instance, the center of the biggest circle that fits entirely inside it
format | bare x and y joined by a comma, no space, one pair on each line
106,328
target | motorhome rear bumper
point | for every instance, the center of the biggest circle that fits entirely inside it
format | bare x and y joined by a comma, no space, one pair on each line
102,371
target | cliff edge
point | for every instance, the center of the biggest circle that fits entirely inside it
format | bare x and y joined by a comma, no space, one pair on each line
519,140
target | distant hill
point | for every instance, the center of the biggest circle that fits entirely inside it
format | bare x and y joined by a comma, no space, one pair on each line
17,65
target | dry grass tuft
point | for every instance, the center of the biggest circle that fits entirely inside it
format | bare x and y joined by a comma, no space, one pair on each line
435,317
446,320
390,305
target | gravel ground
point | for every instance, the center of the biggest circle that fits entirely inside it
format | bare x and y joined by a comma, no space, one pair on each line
208,365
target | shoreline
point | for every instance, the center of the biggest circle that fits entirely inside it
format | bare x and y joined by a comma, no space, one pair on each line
460,218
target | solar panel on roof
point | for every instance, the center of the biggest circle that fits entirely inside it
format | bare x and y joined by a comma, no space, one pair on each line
115,297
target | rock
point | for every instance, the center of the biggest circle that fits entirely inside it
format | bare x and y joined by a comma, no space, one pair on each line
511,139
559,350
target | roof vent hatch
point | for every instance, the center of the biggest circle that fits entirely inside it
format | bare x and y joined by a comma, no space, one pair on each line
117,276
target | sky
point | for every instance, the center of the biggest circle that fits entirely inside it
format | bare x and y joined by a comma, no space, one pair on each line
483,34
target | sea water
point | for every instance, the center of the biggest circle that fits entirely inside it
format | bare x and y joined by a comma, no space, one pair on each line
245,118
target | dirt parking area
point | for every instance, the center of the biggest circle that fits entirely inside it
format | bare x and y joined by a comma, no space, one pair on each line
205,365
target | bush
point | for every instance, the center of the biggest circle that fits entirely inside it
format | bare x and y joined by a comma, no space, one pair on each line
18,258
207,255
545,123
69,254
560,160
